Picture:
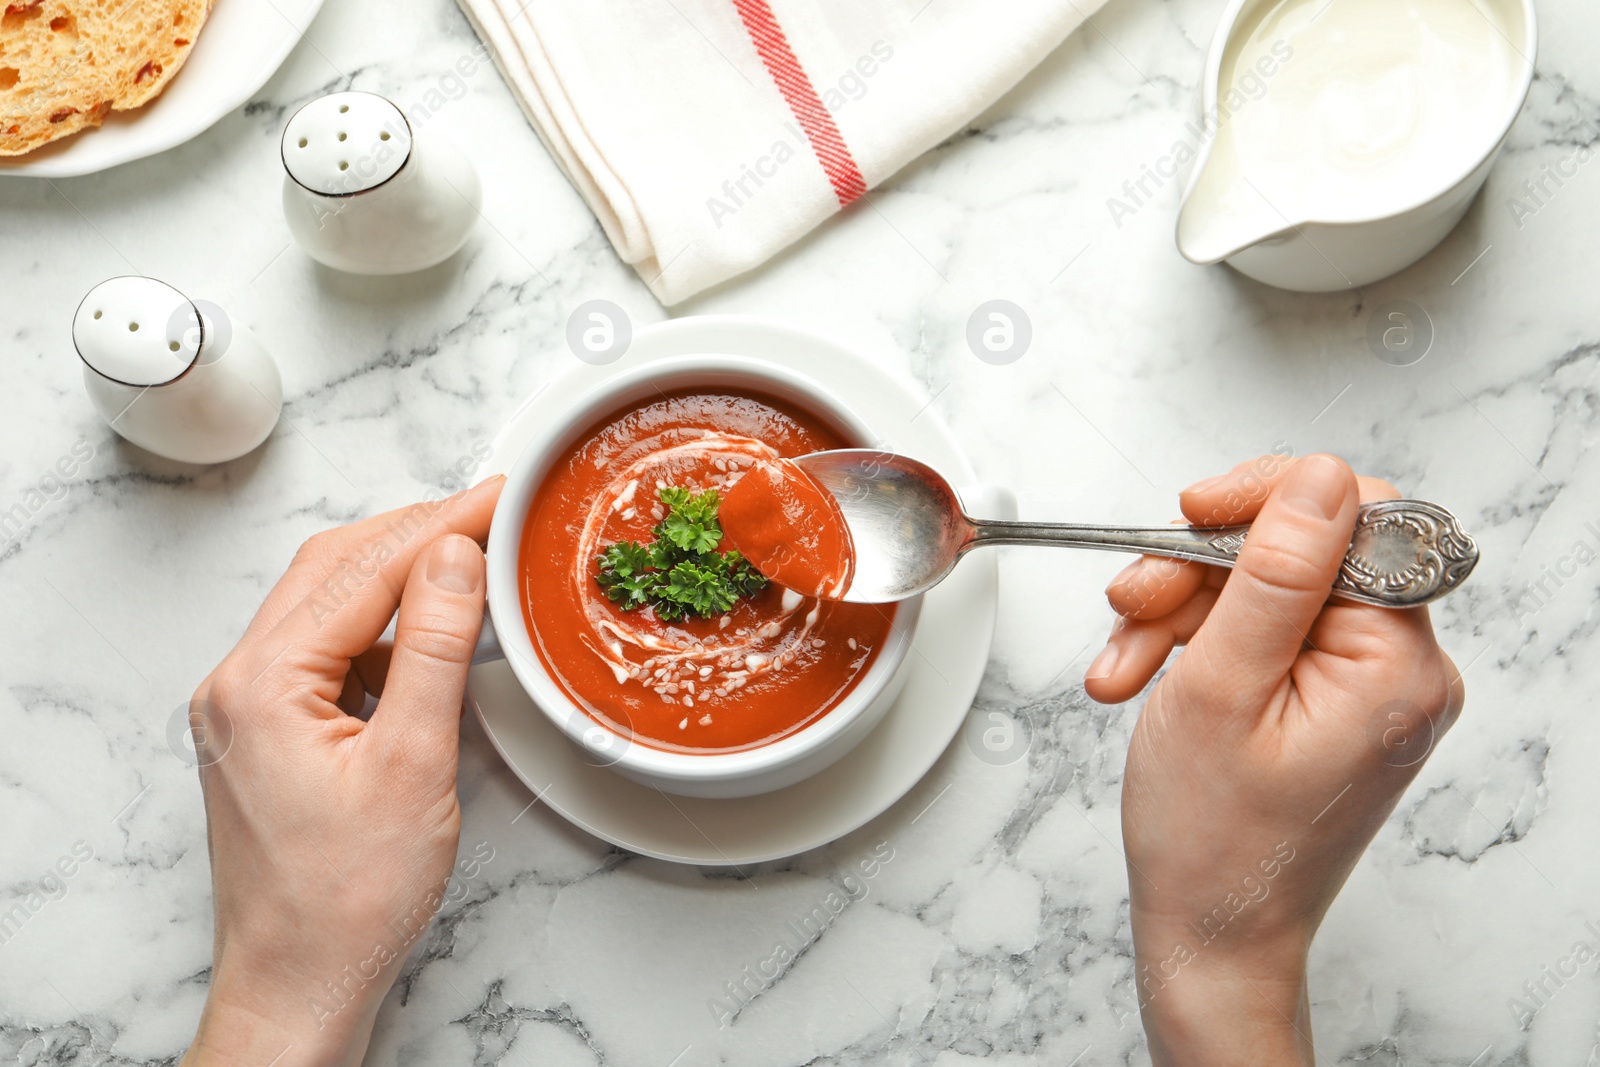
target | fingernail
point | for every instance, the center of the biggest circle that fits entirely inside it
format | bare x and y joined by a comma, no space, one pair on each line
456,564
1126,574
1205,483
1103,664
1316,487
478,487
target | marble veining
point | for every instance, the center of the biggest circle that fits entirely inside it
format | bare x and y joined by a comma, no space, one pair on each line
994,923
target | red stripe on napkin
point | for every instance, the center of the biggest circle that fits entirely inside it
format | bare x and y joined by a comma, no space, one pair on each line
803,101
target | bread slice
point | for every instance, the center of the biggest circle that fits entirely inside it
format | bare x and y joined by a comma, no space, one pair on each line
66,64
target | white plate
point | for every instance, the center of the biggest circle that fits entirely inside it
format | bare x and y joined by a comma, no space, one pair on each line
951,648
240,46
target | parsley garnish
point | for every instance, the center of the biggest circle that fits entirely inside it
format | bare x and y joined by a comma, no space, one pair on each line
680,573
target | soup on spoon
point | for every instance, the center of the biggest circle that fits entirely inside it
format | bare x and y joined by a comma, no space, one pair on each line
790,528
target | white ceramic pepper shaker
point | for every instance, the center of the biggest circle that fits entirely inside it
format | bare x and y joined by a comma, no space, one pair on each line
173,376
363,193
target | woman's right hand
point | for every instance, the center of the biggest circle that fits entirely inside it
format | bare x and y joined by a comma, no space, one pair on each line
1264,760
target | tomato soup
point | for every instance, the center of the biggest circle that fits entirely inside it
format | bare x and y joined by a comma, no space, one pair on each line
772,664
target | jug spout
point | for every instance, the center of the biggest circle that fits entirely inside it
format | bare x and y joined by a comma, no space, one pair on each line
1213,227
1224,212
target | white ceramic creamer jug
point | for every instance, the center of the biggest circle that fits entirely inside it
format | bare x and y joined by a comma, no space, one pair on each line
172,376
362,193
1346,138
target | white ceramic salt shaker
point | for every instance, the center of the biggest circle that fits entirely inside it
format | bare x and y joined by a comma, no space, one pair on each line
363,193
174,377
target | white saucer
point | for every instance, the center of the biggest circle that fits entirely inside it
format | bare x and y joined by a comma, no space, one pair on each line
951,648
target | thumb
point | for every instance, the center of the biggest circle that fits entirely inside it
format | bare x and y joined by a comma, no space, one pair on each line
1281,582
441,611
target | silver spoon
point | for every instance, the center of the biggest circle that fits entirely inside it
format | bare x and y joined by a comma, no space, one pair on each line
909,531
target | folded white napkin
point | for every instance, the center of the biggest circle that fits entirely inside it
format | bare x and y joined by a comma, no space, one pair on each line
708,134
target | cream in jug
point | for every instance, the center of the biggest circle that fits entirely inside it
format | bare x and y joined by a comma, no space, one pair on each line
1379,105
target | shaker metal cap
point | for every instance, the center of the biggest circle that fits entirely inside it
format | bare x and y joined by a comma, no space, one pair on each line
137,331
346,143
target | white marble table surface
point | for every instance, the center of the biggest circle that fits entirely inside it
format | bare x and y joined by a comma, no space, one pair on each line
999,929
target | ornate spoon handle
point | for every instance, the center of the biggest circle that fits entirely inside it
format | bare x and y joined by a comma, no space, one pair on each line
1403,552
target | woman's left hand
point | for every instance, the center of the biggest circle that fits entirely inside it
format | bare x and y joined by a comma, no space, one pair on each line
332,838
